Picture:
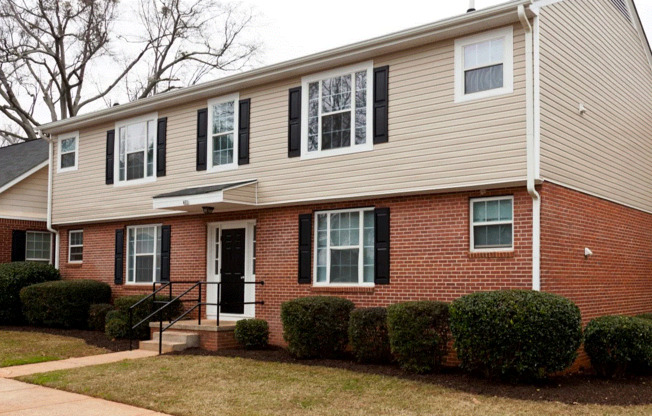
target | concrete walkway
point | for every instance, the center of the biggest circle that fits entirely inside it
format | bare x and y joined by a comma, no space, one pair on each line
22,399
27,369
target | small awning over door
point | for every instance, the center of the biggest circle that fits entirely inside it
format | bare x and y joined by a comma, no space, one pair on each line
222,197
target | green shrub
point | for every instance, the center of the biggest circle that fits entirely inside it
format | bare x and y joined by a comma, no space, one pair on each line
418,334
368,335
619,345
316,326
253,334
97,316
647,316
515,334
117,324
14,277
64,303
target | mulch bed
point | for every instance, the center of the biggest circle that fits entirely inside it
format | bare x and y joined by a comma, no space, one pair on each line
569,389
96,338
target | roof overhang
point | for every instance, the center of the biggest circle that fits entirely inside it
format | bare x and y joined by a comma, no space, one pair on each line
479,20
221,197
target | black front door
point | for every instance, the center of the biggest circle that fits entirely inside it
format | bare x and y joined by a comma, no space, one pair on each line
233,270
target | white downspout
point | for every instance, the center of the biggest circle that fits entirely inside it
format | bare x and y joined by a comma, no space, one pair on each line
531,151
49,213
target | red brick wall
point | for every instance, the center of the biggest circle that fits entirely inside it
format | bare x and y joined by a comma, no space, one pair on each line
429,252
617,278
7,226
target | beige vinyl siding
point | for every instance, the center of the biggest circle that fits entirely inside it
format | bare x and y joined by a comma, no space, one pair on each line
28,199
591,54
433,144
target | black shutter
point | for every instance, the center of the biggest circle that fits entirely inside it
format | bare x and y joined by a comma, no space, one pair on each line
243,131
161,143
110,142
381,249
18,241
381,99
118,268
165,253
202,138
305,234
294,123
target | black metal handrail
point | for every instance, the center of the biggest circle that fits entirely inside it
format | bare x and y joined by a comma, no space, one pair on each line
198,304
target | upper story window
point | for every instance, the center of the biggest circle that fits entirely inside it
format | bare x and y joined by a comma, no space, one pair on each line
136,149
492,224
336,110
144,254
484,65
68,152
38,246
345,247
222,130
75,246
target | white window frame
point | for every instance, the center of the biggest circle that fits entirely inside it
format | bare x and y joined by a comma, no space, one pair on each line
131,278
305,81
116,151
49,260
70,246
360,246
507,34
61,138
473,224
209,132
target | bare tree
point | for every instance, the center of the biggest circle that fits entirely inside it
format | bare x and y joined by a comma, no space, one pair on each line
54,54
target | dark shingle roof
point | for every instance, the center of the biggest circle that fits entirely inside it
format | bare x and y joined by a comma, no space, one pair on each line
17,159
203,189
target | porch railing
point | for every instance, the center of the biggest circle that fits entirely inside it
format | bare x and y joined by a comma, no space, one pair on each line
197,304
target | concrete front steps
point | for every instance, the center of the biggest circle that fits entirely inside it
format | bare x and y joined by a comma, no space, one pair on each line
172,341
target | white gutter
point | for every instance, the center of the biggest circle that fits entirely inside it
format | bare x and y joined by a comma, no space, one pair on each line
49,214
531,150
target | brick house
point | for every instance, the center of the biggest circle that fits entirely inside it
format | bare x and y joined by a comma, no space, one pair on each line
23,203
509,147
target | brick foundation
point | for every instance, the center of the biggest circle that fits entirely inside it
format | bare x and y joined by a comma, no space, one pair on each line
7,226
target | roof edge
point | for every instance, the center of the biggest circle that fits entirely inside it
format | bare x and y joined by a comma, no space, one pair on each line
24,176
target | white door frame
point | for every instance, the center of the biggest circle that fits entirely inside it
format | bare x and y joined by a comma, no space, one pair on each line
214,232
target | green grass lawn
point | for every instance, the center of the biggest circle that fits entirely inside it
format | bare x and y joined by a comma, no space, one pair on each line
22,347
210,385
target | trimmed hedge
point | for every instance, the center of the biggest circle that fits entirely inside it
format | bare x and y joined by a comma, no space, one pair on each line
647,316
97,316
368,335
619,345
14,277
418,334
252,334
64,303
316,326
515,334
117,322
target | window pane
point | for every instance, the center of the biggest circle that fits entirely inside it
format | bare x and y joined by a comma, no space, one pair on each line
151,138
483,79
485,53
76,253
336,94
68,160
145,240
505,238
76,238
345,229
313,116
492,236
223,116
493,208
479,211
68,145
223,149
336,131
37,246
122,150
344,266
131,255
497,50
369,245
144,269
136,135
135,165
506,209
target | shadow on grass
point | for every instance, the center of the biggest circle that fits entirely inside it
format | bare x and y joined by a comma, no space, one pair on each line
569,389
95,338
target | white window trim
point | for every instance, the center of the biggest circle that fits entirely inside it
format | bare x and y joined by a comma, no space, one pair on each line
61,138
131,280
209,132
507,33
369,143
70,246
472,224
49,260
327,283
116,151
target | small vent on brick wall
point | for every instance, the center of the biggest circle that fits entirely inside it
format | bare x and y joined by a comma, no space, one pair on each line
622,7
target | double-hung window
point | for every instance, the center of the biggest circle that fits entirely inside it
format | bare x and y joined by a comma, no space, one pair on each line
484,65
136,149
345,247
492,224
336,114
76,246
38,246
143,254
222,130
68,152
